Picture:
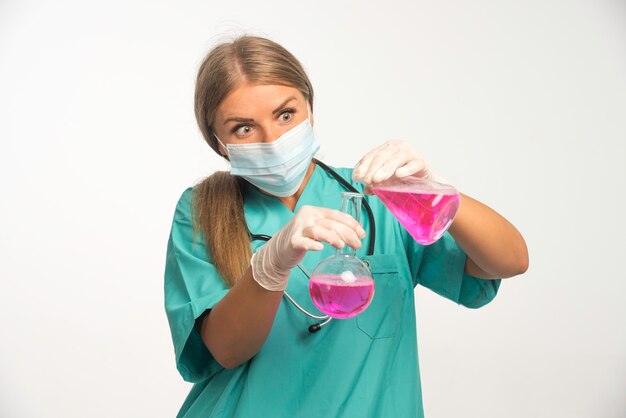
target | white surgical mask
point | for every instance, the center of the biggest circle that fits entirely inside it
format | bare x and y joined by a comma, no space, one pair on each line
277,167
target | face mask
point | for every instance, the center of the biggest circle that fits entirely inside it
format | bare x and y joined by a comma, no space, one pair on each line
277,167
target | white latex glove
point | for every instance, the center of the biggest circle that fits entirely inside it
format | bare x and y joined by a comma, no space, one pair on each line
393,158
307,230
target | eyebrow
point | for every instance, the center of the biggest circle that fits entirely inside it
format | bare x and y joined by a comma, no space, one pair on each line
283,104
246,120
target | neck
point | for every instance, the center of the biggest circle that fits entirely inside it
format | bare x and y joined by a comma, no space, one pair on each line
291,201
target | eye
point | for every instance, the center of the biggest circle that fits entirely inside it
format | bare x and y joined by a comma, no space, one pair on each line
242,130
286,115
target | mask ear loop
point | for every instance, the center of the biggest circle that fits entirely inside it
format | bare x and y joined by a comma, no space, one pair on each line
308,110
222,144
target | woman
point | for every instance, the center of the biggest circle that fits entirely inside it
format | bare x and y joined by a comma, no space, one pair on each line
247,348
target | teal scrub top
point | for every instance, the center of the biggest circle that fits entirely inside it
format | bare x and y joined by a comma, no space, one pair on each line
366,366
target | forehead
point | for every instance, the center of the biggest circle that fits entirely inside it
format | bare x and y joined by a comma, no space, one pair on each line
247,99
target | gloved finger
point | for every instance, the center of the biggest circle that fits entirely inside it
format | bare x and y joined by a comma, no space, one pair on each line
347,235
384,155
381,170
345,219
415,166
361,168
386,160
319,233
301,242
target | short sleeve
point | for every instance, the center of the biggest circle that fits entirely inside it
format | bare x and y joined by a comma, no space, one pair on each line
192,285
440,267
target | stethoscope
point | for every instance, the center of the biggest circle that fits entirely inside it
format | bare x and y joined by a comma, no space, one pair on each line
370,249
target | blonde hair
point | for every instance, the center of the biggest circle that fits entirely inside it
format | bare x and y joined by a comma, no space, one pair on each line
217,200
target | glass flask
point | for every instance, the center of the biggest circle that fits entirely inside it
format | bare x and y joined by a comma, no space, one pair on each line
341,285
424,208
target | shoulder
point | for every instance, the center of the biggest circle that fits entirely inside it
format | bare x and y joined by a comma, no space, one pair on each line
183,206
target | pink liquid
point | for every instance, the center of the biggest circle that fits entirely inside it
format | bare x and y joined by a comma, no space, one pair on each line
426,216
340,299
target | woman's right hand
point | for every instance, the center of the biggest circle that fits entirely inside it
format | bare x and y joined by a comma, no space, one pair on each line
310,227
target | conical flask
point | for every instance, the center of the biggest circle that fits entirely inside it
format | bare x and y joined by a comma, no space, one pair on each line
424,208
341,285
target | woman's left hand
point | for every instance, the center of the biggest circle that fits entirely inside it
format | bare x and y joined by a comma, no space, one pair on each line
392,159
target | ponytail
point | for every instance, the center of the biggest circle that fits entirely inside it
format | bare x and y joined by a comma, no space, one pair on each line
218,215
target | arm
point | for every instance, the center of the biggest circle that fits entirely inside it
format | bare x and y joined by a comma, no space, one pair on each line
494,247
239,324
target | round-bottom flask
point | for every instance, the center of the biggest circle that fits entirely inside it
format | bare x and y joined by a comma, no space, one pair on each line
341,285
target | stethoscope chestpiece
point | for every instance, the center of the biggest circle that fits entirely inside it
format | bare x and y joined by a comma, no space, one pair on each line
314,328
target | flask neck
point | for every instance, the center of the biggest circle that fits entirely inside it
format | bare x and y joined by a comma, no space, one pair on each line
351,204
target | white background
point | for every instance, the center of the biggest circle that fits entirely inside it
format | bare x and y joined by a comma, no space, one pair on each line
520,104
